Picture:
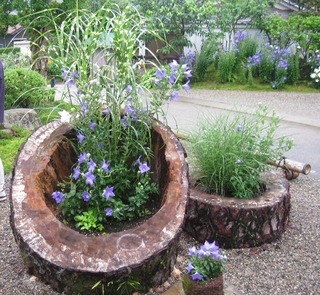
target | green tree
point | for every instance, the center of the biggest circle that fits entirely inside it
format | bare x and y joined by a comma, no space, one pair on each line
231,12
179,17
36,17
7,17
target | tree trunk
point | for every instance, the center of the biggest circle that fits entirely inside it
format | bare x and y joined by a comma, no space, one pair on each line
39,56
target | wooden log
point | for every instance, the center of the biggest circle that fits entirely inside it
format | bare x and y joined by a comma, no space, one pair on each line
294,166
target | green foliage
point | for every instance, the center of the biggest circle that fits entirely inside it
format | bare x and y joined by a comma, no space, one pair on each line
88,221
7,16
229,154
50,110
293,69
126,286
10,144
24,88
204,59
226,66
13,60
8,50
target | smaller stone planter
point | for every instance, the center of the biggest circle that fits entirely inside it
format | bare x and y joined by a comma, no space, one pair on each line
241,223
211,287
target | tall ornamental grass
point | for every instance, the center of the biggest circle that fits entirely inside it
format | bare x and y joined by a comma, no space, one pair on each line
111,180
229,153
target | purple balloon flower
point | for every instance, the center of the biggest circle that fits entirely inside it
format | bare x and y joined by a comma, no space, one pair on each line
160,73
174,96
105,166
58,196
76,173
196,276
128,89
108,192
91,165
93,125
189,267
82,158
108,211
172,78
144,168
89,178
186,86
85,196
80,137
173,65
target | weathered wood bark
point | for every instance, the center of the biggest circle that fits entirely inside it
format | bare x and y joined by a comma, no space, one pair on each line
72,262
241,223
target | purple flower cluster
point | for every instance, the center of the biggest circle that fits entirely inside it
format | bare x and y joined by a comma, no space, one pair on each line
253,60
143,167
69,80
205,251
164,78
188,58
239,36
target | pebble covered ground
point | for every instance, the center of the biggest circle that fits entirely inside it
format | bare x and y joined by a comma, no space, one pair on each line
288,266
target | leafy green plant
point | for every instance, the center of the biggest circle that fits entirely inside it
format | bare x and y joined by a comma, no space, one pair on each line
10,144
226,66
228,154
25,88
88,221
204,59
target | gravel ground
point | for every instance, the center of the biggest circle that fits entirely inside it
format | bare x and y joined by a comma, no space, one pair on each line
289,266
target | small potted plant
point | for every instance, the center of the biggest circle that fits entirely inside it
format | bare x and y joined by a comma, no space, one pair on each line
205,270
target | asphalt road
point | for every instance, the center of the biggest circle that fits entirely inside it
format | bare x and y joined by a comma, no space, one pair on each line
299,113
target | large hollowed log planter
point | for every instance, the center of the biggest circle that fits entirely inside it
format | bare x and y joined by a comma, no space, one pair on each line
241,223
73,262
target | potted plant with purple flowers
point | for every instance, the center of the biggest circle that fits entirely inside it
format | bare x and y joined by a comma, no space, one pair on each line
205,269
111,180
100,194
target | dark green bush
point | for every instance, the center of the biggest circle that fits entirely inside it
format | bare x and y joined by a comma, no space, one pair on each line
7,50
25,88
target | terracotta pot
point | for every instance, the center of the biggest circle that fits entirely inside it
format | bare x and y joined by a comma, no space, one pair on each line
211,287
72,262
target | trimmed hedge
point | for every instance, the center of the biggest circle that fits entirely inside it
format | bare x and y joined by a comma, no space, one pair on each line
25,88
7,50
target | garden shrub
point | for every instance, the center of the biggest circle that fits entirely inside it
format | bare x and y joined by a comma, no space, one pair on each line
25,88
7,50
226,66
293,69
204,59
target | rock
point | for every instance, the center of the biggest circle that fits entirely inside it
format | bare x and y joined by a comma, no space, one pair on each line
25,118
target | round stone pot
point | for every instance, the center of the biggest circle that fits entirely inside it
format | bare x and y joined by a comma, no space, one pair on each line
72,262
241,223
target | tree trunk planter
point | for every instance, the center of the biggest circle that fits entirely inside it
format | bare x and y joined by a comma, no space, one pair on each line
241,223
73,262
